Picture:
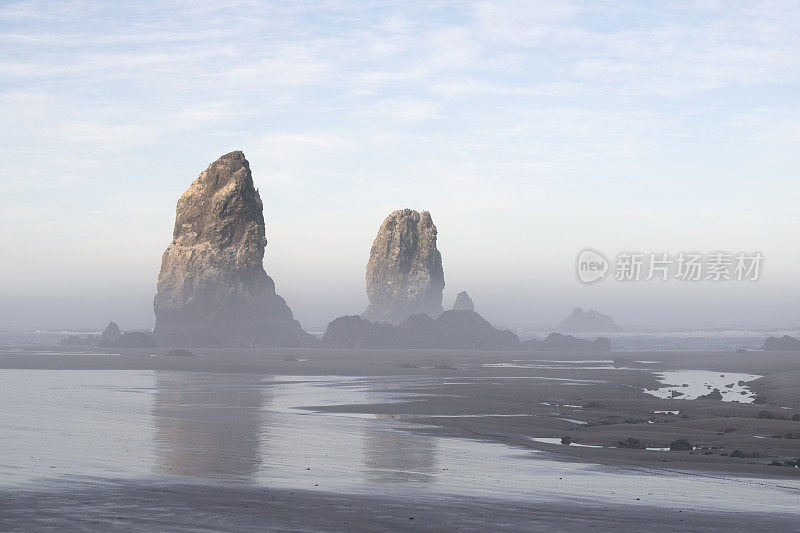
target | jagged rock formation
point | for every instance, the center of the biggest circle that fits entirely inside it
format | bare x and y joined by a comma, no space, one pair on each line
556,342
782,344
212,288
463,302
580,321
404,272
110,335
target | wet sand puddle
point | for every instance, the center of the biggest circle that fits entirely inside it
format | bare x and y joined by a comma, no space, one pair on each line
83,426
690,384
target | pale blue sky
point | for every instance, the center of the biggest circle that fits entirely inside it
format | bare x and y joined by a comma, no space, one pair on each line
529,129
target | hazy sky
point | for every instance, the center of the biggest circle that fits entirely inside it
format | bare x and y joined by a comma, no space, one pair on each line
529,129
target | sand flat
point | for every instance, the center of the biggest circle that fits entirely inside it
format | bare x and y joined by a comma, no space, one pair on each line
352,430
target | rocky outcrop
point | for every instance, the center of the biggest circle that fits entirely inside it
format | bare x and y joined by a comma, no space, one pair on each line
782,344
404,272
680,445
355,332
455,330
580,321
212,288
463,302
452,330
556,342
110,335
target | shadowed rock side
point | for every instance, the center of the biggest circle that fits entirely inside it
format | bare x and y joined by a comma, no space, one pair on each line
110,335
212,288
556,342
463,302
580,321
404,272
455,330
782,344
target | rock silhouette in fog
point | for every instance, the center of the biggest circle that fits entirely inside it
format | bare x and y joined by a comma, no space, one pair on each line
212,288
580,321
453,330
110,335
404,272
782,344
463,302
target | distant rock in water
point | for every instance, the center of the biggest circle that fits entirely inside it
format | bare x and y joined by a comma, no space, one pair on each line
404,272
580,321
455,330
556,342
135,339
212,288
782,344
110,335
463,302
451,330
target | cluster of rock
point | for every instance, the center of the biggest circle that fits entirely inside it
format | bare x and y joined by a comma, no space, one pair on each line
212,288
456,330
213,291
782,344
112,337
405,281
580,321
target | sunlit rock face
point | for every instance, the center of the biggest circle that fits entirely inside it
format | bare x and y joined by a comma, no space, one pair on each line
404,272
212,288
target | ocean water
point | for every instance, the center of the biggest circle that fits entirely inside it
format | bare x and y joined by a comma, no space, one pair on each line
625,341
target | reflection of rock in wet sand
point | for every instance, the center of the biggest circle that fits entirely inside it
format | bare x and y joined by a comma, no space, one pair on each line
397,456
208,425
392,456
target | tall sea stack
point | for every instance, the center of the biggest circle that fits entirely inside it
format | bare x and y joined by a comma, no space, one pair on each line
212,288
404,272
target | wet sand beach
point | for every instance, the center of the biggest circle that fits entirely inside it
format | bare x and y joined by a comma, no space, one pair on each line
318,440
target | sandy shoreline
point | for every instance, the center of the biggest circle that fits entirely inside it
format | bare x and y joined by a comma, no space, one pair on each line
462,385
154,506
454,394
